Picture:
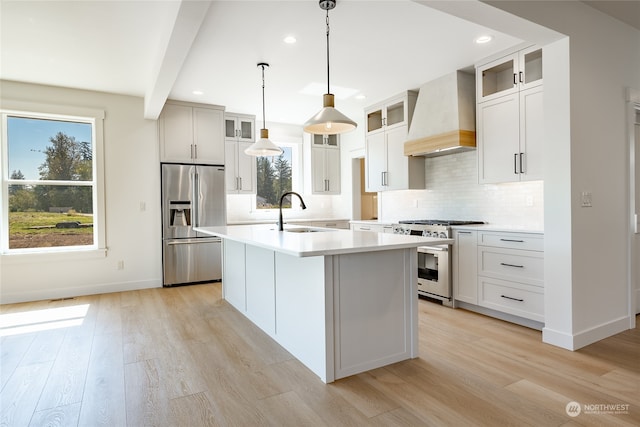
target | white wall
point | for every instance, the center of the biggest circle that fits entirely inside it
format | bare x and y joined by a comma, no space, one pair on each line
586,121
132,176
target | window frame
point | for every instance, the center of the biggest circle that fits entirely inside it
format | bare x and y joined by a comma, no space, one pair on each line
94,117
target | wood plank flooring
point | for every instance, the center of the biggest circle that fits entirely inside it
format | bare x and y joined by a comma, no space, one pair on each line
184,357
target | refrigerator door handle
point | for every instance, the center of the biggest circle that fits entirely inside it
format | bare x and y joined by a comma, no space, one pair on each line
195,220
193,241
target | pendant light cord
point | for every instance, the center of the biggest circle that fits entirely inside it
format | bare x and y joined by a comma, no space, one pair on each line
264,125
328,87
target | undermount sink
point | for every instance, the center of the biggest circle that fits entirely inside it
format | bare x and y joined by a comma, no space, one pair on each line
302,230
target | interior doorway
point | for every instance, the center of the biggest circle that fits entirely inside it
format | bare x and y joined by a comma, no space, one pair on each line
365,205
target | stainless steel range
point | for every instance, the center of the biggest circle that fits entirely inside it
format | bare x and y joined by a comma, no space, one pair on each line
434,262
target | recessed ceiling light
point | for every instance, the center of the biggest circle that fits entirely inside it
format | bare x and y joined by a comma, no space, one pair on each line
290,40
483,39
197,92
361,96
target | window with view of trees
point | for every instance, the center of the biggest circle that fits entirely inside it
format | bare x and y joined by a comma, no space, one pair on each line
50,182
274,177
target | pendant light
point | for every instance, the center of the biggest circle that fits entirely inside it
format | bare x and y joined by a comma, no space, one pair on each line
263,147
329,121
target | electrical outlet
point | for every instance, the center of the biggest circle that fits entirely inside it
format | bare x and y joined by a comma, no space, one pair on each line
120,265
586,199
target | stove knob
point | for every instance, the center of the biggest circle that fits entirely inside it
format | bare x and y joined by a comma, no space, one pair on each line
443,235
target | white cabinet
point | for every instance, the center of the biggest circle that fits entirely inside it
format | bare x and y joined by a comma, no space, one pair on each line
510,121
519,71
511,273
393,112
240,169
239,127
465,266
325,164
386,166
191,133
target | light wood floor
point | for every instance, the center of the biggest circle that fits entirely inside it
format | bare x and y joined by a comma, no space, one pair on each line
184,357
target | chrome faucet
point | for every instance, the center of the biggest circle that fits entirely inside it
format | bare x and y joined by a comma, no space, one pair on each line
286,193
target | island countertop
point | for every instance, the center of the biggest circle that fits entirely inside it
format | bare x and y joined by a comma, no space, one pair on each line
320,243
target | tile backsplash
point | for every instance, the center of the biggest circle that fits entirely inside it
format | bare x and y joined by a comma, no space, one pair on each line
453,192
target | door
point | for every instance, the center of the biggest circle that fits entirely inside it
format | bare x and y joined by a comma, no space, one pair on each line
376,162
246,169
177,201
397,163
192,261
531,157
208,136
498,140
231,166
176,133
210,196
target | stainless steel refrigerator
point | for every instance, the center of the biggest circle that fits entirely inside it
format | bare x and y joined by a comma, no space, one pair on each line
192,196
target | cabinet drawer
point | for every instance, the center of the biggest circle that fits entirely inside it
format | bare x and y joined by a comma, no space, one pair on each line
513,298
526,241
511,264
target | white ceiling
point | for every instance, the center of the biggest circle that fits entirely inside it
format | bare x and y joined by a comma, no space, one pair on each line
146,48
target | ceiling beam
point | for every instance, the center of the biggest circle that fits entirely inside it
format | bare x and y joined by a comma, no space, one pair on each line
189,18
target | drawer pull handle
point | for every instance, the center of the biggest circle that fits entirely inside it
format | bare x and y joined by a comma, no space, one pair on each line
512,240
511,265
511,298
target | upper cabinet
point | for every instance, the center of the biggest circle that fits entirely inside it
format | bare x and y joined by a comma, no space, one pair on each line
324,163
191,133
511,74
510,119
394,112
240,168
386,166
239,127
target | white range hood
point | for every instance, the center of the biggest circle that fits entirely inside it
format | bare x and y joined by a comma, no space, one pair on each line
444,119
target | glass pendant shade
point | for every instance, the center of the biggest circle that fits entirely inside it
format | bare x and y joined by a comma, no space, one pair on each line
263,147
329,121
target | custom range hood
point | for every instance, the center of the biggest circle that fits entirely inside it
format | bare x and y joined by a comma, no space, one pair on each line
444,119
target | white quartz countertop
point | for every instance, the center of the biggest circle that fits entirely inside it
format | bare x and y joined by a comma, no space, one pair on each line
320,243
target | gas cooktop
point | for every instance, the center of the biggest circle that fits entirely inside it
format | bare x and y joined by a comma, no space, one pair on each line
447,222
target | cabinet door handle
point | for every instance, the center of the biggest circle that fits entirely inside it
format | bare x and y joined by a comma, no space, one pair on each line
521,74
511,265
515,79
240,179
464,232
521,156
195,151
515,163
191,151
512,298
512,240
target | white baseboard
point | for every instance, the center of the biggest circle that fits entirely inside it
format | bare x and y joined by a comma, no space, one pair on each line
586,337
46,294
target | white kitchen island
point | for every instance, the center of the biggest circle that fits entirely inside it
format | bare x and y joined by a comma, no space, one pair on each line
340,301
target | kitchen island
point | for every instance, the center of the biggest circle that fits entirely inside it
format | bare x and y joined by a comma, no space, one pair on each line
340,301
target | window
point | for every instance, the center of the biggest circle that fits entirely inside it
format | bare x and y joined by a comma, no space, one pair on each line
50,183
276,175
